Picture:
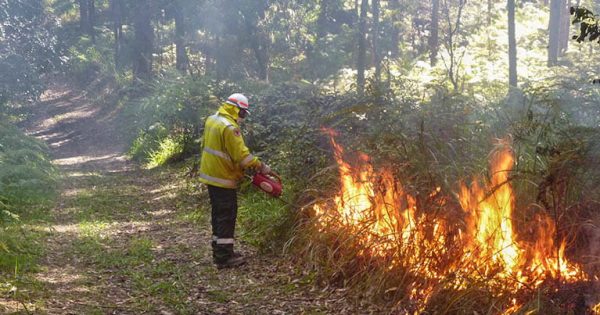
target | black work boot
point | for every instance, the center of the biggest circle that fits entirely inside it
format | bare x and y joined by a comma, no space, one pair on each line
232,262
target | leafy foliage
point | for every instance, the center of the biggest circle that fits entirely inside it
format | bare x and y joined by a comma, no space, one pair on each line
27,183
27,177
588,25
27,49
166,121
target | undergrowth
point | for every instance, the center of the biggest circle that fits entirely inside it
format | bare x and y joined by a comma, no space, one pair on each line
166,120
431,142
27,191
27,177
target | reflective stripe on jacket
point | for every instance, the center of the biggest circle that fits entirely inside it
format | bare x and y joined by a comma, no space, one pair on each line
225,155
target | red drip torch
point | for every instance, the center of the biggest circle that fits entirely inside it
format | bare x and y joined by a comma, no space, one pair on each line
271,183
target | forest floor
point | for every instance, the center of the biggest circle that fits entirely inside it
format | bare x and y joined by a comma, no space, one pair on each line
127,240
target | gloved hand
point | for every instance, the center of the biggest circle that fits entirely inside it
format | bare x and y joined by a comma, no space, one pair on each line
265,169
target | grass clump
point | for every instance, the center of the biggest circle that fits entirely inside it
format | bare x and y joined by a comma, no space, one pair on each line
261,218
170,148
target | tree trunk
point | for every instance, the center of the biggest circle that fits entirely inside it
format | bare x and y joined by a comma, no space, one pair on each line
258,41
143,42
490,7
362,47
262,57
259,46
91,20
434,32
376,53
394,6
117,16
83,16
220,64
512,45
489,43
452,43
322,20
181,62
554,32
565,24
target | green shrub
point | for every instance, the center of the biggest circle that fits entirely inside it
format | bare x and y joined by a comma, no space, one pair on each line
27,178
168,119
261,218
27,188
87,61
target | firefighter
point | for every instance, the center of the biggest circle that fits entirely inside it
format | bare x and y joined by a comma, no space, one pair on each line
224,159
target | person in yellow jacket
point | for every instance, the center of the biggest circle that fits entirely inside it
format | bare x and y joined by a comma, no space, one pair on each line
224,159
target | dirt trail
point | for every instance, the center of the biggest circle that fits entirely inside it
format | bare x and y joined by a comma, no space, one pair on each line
123,240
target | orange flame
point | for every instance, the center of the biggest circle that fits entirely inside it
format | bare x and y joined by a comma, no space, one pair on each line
383,217
596,309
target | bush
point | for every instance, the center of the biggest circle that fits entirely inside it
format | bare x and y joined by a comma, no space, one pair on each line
27,187
27,178
87,61
167,121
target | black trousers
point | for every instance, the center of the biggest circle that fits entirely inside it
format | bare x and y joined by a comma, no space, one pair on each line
223,202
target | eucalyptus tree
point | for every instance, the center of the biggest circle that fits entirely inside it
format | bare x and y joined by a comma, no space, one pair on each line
394,33
87,18
375,41
454,40
512,45
143,44
434,32
558,11
361,61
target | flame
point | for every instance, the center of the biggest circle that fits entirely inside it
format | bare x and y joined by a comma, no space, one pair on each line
384,220
596,309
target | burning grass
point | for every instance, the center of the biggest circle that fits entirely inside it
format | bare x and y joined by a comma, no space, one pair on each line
441,253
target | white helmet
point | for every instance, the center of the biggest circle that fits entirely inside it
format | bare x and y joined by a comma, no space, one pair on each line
239,100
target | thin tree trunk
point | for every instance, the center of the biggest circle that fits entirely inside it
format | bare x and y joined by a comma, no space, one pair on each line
394,6
362,47
260,49
376,53
259,45
434,34
512,45
143,42
565,23
262,57
554,32
490,6
322,20
117,16
181,62
83,16
220,64
91,20
453,64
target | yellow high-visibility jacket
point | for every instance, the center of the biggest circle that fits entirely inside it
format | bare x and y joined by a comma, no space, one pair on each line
225,155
